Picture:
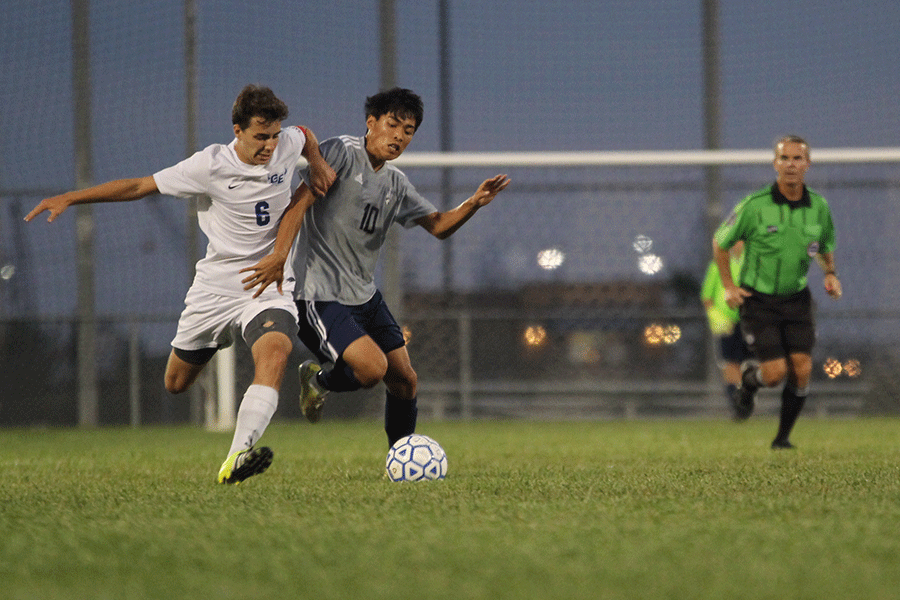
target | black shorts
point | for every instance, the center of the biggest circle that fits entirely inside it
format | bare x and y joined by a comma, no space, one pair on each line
777,326
327,328
733,348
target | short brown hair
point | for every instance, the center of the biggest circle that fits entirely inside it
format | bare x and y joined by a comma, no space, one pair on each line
791,139
257,101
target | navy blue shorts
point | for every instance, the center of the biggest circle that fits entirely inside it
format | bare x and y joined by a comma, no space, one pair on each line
327,328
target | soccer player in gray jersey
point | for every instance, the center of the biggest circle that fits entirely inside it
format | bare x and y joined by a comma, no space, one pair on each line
344,320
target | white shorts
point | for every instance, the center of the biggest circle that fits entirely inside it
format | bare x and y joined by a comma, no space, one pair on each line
210,320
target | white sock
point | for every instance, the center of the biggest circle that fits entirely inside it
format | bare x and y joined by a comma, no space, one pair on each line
257,407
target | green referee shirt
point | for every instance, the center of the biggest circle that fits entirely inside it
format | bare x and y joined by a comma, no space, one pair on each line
781,238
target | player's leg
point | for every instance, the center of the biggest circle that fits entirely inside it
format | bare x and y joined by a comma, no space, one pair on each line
183,368
401,407
799,335
731,375
202,330
330,331
366,361
269,334
732,351
772,372
793,398
761,328
361,365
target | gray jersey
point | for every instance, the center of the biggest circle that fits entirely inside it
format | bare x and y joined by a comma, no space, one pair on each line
336,252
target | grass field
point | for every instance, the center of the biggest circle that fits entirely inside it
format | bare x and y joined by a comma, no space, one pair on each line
636,510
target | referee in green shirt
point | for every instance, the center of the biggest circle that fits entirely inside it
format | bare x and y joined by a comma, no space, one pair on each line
784,227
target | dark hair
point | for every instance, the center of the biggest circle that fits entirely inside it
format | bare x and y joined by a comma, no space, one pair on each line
257,101
399,102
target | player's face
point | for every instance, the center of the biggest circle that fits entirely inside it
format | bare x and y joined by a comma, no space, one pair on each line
388,136
791,162
257,142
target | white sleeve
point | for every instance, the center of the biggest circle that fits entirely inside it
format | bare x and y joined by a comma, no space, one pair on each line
302,140
188,178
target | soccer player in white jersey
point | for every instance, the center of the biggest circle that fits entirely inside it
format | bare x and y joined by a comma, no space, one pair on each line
343,318
242,189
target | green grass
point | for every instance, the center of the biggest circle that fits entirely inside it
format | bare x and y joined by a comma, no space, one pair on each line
659,509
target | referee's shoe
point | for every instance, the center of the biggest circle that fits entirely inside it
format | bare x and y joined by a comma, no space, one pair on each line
744,399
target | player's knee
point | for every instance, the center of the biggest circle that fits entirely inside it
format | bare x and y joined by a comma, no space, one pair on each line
275,359
802,371
773,375
403,384
175,384
409,384
370,373
369,369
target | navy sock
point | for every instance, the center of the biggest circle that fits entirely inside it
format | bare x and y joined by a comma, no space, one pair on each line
399,417
339,378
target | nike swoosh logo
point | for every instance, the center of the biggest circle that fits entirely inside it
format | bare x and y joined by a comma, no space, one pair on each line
231,186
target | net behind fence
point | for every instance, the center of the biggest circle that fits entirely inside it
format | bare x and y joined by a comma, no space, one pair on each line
574,294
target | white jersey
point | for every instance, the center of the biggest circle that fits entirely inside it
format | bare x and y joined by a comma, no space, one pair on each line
336,252
239,206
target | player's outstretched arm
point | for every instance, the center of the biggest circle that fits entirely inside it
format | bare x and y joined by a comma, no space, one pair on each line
120,190
321,175
444,224
270,269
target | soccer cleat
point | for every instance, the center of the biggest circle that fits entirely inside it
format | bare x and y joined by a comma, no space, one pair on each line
311,399
737,411
782,445
744,400
245,463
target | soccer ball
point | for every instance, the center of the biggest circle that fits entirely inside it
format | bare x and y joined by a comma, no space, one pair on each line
415,458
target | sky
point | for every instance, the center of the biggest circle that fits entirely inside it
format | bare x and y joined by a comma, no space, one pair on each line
526,76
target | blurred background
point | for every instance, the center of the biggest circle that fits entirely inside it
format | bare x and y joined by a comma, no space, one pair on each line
574,295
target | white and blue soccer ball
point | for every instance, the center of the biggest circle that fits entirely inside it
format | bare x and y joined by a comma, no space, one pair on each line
416,457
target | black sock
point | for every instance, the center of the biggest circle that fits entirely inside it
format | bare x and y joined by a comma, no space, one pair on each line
399,417
792,401
749,379
339,378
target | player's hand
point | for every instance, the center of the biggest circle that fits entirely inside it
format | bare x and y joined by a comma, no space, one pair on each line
833,286
55,206
321,175
489,188
734,296
267,271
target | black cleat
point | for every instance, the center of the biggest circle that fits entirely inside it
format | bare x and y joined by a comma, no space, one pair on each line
783,445
737,409
744,400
